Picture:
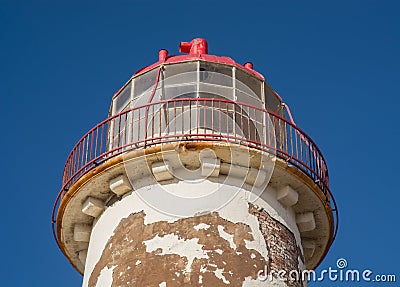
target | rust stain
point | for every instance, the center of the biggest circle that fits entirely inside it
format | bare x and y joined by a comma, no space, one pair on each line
133,266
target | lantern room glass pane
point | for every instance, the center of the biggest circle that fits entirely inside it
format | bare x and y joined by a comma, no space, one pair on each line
181,91
179,81
122,99
144,98
178,74
248,83
215,91
272,102
213,73
246,98
144,82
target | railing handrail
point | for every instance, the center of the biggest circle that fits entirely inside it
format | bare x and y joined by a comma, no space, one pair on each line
196,99
319,173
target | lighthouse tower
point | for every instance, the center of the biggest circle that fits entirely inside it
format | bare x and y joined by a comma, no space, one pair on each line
196,178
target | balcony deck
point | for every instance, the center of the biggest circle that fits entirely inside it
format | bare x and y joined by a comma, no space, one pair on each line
196,120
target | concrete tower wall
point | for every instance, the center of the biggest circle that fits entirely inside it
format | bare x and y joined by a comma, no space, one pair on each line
226,225
133,244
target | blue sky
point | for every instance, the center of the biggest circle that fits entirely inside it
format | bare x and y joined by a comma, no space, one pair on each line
335,63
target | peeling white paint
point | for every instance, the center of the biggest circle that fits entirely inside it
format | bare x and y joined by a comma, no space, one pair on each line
225,235
106,277
138,262
202,226
219,274
249,282
163,284
172,244
219,251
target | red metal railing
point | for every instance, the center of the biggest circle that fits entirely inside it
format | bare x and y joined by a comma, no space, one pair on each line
196,119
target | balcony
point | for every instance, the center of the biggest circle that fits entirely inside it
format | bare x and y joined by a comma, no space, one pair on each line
196,120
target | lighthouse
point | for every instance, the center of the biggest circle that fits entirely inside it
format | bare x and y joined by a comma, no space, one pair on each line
199,176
